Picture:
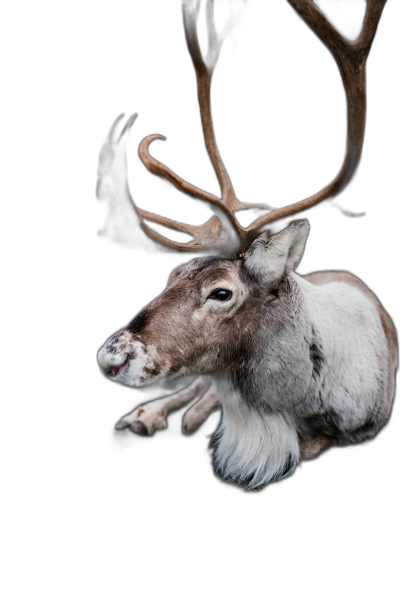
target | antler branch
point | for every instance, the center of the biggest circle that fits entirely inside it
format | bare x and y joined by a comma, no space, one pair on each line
158,168
125,222
204,71
351,59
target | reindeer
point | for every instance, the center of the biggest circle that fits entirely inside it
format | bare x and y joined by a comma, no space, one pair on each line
297,364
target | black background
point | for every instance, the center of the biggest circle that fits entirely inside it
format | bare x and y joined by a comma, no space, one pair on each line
279,115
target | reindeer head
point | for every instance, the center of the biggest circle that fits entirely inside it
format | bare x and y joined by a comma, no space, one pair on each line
210,315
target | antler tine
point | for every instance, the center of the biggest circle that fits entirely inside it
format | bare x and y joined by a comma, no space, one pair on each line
204,73
125,222
351,59
158,168
105,173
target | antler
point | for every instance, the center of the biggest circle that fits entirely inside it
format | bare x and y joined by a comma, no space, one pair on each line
351,59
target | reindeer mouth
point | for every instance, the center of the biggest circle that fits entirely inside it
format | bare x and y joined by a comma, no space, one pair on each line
117,369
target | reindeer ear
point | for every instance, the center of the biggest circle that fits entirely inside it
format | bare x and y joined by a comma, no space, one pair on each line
270,259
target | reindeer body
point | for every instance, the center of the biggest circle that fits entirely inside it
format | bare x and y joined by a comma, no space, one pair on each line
300,363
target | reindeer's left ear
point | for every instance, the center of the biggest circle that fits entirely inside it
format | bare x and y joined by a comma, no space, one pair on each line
270,259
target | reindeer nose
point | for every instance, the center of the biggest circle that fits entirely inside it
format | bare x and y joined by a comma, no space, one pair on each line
112,362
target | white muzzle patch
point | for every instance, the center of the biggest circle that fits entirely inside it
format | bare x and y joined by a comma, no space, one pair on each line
128,361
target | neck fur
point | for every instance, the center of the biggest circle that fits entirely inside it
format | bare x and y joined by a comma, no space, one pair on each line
252,448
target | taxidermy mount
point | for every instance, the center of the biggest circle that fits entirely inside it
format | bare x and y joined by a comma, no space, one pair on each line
296,364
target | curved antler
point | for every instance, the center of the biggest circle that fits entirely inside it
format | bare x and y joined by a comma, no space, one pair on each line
124,216
159,169
351,59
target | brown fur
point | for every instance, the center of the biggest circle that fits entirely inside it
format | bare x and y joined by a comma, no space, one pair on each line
311,447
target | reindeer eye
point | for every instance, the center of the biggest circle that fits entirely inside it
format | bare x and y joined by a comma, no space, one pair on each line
221,295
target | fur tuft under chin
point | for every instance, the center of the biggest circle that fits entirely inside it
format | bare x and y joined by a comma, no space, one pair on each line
255,449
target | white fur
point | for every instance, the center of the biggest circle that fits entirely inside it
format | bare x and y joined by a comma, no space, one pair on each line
354,346
152,415
110,359
252,445
136,371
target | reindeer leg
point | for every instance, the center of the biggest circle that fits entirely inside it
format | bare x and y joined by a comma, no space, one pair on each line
198,413
151,416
